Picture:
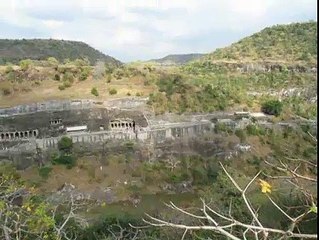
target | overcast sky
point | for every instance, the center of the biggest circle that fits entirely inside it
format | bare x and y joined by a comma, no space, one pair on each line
143,29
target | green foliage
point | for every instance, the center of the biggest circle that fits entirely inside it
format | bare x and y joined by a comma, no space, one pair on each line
94,92
61,87
42,49
64,159
68,77
65,145
291,42
112,91
45,171
85,72
53,61
272,107
25,64
57,77
9,69
241,135
109,78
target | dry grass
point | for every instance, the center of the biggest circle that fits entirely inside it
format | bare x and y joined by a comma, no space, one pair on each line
48,90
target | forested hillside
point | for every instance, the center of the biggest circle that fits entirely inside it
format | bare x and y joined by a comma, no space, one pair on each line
291,42
40,49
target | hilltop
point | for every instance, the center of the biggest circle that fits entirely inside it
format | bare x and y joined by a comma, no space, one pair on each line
286,43
40,49
178,58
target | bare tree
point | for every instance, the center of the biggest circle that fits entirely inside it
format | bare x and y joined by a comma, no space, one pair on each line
224,224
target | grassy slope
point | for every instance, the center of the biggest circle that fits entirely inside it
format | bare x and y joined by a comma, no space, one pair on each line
40,49
289,43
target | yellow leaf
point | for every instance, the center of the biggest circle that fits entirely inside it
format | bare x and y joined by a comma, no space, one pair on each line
265,186
28,209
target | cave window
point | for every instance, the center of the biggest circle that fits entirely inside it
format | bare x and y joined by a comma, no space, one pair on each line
130,124
16,135
7,135
34,133
30,134
123,124
26,134
11,135
112,125
21,134
126,124
2,135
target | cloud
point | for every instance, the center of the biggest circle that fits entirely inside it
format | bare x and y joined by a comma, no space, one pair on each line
145,29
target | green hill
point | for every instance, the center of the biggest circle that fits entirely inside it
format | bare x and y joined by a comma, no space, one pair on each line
287,43
40,49
178,58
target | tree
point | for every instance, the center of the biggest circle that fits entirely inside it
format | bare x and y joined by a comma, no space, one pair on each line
26,215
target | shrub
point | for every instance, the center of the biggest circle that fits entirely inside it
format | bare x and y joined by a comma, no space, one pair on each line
272,107
52,61
67,84
6,90
128,94
65,145
109,78
57,77
113,91
9,69
61,87
252,130
94,92
241,135
85,72
68,77
65,159
25,64
45,171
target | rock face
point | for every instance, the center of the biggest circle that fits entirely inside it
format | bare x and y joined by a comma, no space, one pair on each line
30,134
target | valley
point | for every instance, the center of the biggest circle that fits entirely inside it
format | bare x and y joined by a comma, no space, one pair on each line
91,145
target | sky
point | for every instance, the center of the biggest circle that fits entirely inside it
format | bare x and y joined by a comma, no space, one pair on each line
131,30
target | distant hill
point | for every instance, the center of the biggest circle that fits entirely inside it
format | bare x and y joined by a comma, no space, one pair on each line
289,43
40,49
178,58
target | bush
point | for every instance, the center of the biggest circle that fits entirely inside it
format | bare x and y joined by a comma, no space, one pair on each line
109,78
9,69
25,64
85,72
57,77
94,92
65,159
6,91
65,145
61,87
241,135
113,91
45,171
272,107
68,77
